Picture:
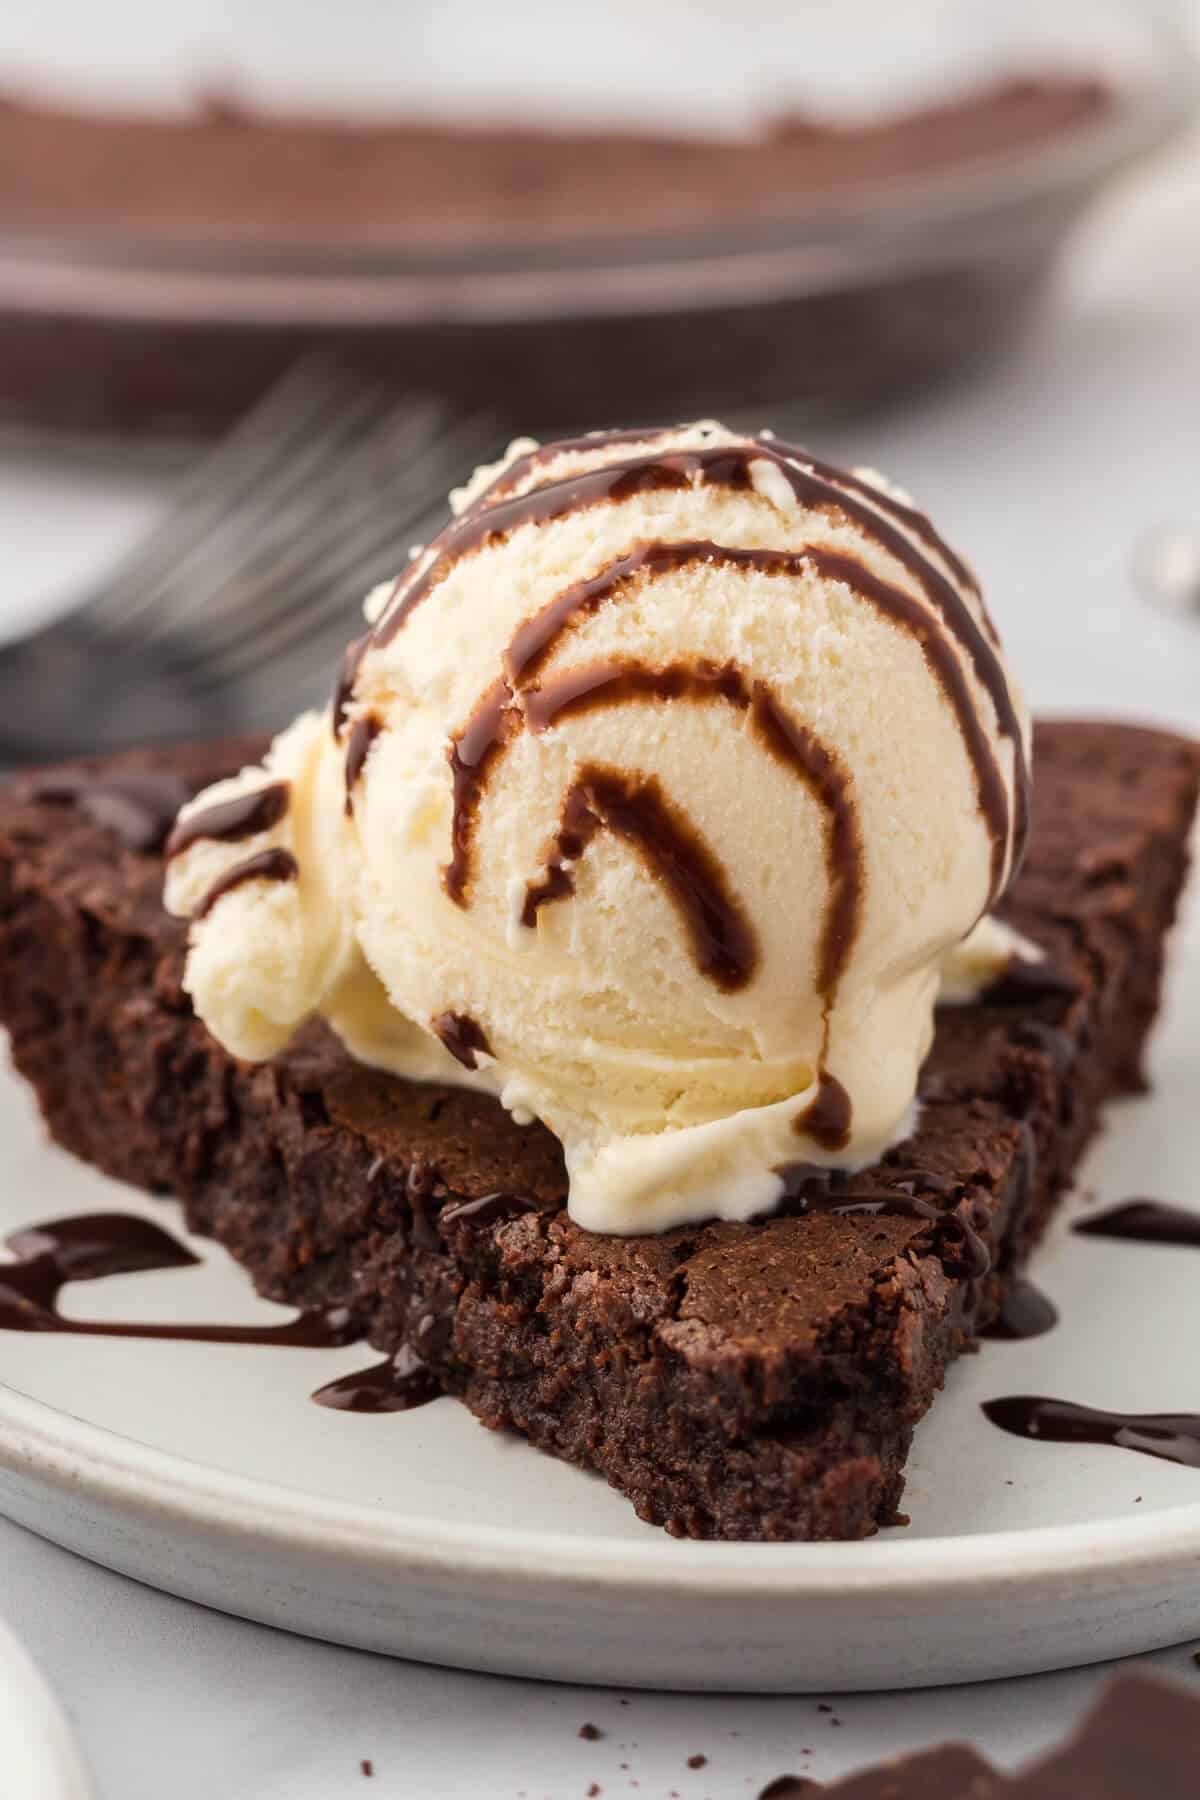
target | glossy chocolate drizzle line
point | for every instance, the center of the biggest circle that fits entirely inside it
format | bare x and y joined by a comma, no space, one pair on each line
463,1036
1025,1312
944,665
343,693
915,521
635,808
919,523
808,1189
397,1385
90,1246
1144,1222
473,754
727,466
827,1120
138,807
268,865
516,472
489,1209
793,744
1172,1437
362,735
229,821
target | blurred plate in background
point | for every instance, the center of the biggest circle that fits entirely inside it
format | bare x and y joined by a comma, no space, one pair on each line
160,266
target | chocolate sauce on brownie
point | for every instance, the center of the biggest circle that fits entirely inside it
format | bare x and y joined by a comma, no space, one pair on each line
1172,1437
1144,1222
1024,980
230,821
138,807
397,1385
809,1188
90,1246
634,808
267,865
1025,1312
489,1209
463,1036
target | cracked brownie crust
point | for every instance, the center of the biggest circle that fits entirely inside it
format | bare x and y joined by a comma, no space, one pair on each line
735,1381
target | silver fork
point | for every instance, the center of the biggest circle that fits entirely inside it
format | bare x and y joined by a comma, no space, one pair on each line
231,614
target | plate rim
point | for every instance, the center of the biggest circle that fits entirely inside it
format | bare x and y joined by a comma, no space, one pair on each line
76,1456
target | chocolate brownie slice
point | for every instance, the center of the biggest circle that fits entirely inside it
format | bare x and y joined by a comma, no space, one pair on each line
736,1381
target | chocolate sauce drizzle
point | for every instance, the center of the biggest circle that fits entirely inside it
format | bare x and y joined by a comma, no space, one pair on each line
230,821
1025,979
811,1189
1024,1313
267,865
473,754
343,693
489,1209
728,466
635,809
138,807
397,1385
1172,1437
362,735
1144,1222
90,1246
463,1036
828,1118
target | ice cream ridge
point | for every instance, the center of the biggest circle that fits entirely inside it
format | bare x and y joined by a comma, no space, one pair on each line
668,790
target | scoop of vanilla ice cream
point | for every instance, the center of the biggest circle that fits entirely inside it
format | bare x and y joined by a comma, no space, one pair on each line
667,781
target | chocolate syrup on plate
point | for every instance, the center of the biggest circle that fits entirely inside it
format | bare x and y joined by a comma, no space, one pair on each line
1144,1222
91,1246
397,1385
1172,1437
1025,1313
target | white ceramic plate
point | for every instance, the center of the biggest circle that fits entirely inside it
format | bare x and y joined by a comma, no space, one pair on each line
40,1760
206,1470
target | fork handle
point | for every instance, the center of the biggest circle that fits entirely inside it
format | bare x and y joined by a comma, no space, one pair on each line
69,692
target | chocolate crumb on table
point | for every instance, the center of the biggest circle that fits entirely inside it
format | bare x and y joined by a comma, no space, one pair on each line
367,1766
699,1761
591,1732
616,1350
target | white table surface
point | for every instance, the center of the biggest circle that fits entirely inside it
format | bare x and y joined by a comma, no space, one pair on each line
1046,470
